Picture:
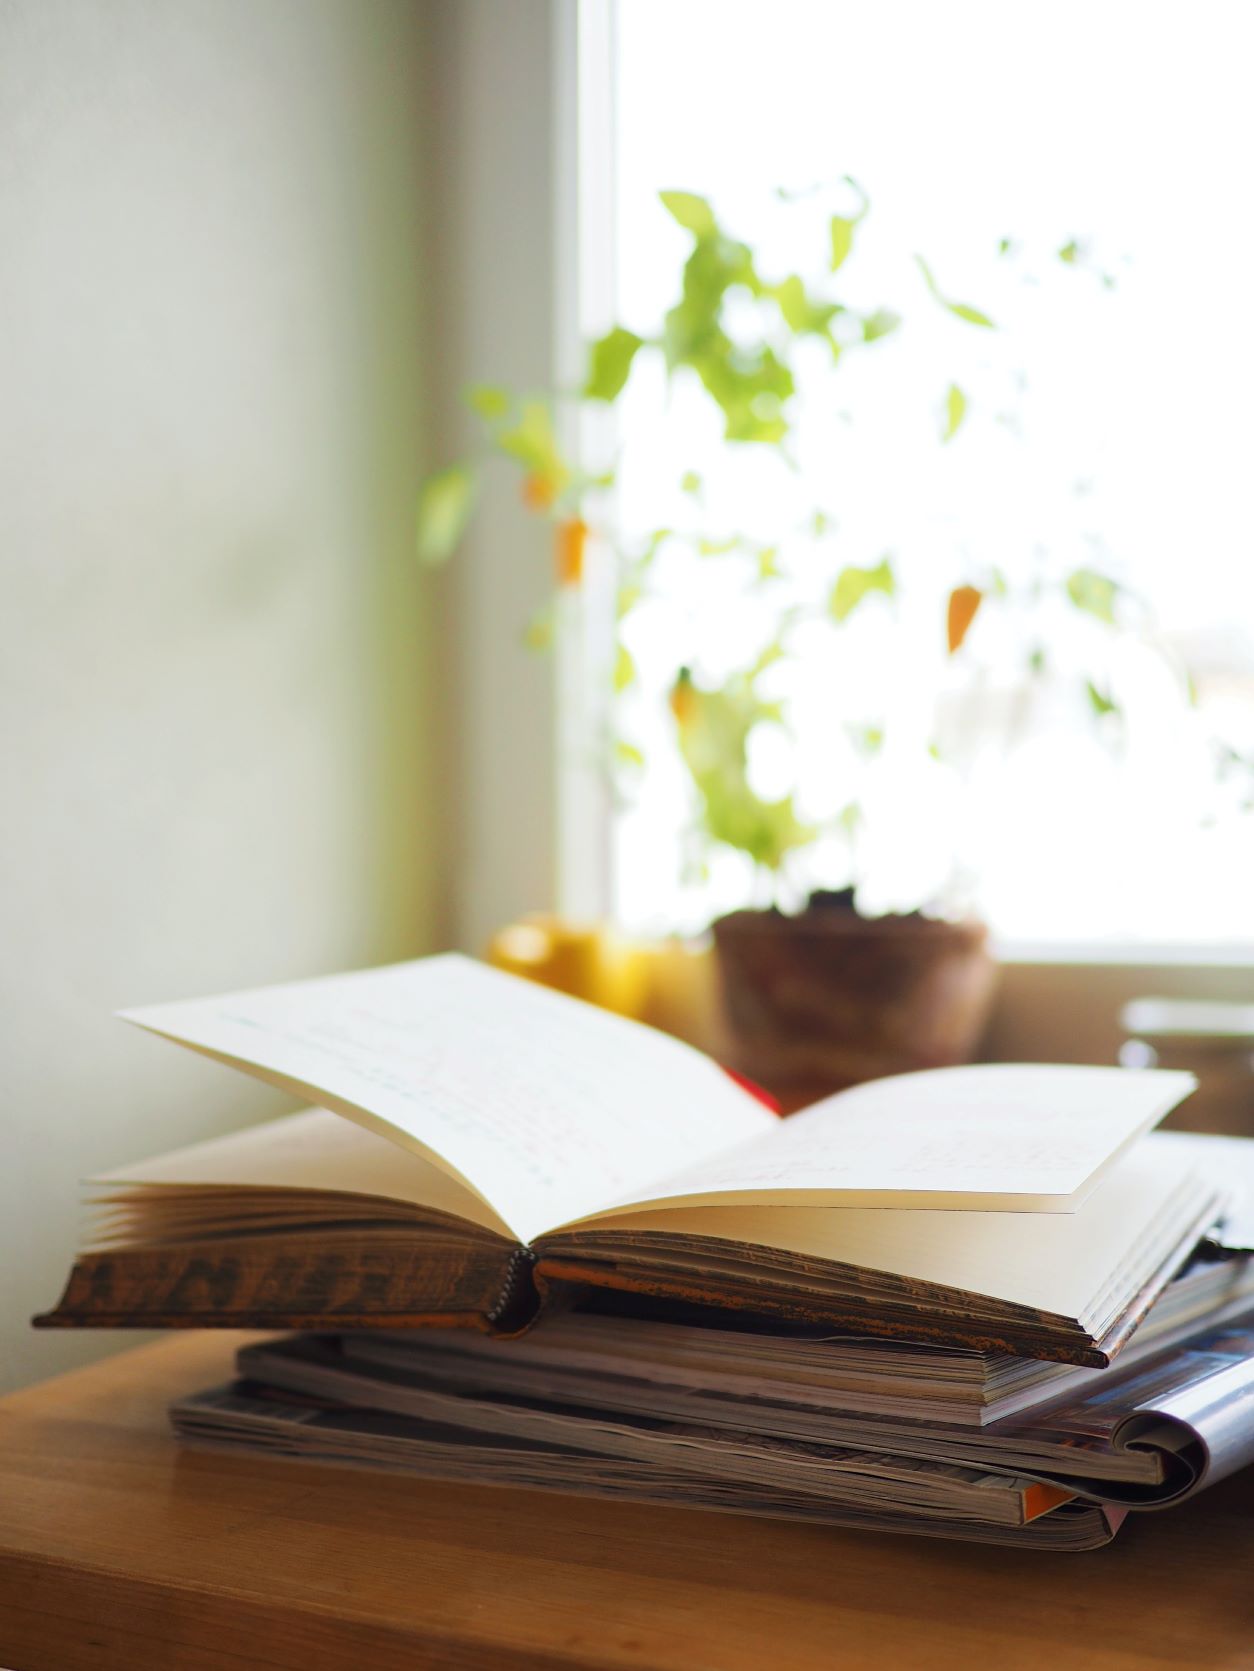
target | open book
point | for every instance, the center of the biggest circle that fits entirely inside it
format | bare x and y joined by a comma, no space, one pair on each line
481,1141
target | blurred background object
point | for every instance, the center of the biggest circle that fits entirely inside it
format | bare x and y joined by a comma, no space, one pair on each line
850,696
820,1001
589,961
1213,1040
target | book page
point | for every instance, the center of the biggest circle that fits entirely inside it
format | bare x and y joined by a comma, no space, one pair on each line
315,1151
1000,1137
1058,1263
547,1107
1228,1160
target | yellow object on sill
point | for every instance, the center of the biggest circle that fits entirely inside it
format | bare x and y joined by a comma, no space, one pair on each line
668,983
582,959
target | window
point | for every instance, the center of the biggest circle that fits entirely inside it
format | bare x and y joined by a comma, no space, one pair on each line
1107,427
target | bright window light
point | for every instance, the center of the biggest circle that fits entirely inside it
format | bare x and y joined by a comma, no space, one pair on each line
1081,176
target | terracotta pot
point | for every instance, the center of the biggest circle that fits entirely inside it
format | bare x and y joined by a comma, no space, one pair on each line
826,999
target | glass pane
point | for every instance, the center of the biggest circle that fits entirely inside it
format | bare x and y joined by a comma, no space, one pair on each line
1083,184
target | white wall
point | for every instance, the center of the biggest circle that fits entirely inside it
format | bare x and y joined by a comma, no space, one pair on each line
213,708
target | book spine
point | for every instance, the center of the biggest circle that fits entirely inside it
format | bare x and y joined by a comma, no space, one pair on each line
555,1278
261,1284
521,1300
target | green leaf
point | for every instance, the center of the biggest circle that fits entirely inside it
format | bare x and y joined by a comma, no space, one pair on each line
768,562
712,729
655,542
444,508
1094,593
1069,253
717,548
773,652
881,323
692,212
842,241
533,443
790,293
799,312
778,831
627,754
955,412
854,584
750,383
690,482
609,363
749,389
692,327
1100,702
960,310
867,739
488,400
629,595
624,668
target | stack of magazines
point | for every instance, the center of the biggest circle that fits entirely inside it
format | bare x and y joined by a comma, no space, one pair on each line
525,1243
768,1420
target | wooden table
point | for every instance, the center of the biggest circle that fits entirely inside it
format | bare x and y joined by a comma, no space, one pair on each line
121,1552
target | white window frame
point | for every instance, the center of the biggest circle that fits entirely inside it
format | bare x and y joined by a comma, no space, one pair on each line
492,230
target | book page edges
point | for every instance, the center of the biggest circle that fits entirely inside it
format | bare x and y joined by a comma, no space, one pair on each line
1046,1261
875,1200
316,1151
373,1123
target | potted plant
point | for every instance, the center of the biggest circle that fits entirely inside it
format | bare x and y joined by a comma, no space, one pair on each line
824,982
